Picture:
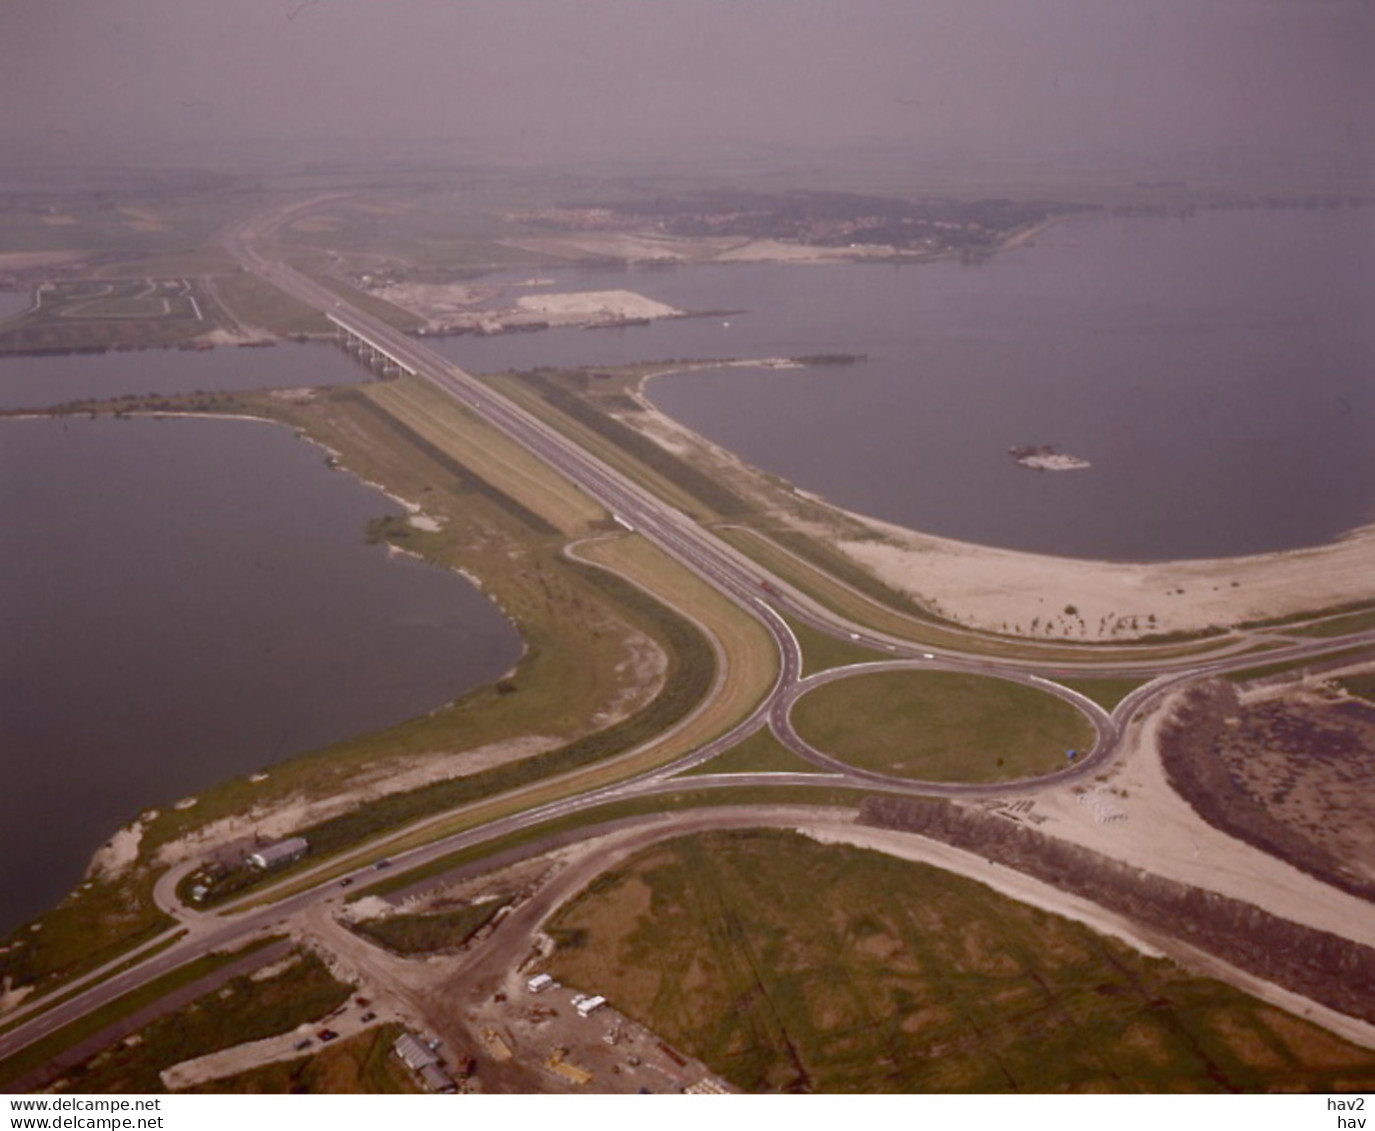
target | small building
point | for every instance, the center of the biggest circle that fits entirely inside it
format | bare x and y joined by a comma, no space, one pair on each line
539,983
422,1060
414,1054
279,852
586,1006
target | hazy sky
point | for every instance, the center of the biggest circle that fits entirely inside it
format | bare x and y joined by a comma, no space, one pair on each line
140,78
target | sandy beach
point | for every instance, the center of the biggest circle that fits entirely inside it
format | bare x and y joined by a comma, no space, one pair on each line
1076,599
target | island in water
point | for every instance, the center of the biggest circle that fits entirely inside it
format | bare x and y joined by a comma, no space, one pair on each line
1045,457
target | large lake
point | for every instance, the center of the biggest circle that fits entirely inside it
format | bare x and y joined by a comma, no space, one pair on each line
184,601
1218,372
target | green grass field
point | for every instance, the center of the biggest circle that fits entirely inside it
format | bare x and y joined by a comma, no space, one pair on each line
761,753
1107,693
941,726
788,965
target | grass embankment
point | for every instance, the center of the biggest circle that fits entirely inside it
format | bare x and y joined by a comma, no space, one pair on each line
248,1008
787,965
253,303
748,658
1313,622
941,726
493,457
671,478
760,753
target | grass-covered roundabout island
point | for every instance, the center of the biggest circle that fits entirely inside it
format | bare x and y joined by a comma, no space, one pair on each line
941,726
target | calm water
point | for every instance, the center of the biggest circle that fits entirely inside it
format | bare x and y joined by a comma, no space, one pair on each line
184,601
12,302
1219,372
45,381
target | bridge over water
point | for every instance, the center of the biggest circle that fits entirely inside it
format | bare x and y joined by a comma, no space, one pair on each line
365,346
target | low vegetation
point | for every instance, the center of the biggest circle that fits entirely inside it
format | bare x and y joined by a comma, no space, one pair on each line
894,976
362,1064
248,1008
426,934
1291,776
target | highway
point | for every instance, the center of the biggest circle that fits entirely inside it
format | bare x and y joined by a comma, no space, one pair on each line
751,588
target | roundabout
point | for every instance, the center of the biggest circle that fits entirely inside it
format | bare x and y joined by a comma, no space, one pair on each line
941,728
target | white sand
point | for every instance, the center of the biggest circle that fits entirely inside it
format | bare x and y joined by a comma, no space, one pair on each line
120,852
1153,828
992,588
776,251
458,306
595,305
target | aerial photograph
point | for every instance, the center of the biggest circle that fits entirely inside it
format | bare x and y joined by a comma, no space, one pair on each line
590,547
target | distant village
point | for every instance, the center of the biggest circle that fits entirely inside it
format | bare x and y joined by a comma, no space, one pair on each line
822,219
